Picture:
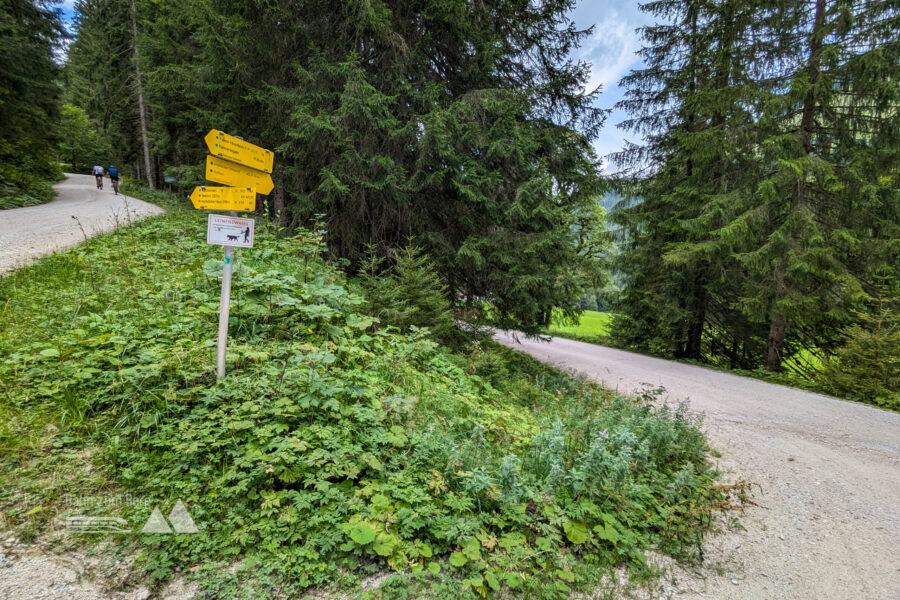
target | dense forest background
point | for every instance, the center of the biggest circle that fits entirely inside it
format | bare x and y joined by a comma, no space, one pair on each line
756,224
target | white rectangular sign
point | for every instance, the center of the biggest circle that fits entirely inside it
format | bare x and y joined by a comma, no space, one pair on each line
229,231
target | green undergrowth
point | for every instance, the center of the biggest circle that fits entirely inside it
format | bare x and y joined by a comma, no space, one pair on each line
23,187
335,449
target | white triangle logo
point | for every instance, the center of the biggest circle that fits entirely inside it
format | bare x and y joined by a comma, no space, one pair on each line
181,519
156,523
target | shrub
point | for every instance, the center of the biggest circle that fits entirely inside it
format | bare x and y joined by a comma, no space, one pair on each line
867,366
26,175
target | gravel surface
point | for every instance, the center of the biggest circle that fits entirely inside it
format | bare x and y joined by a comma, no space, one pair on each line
30,572
33,231
826,477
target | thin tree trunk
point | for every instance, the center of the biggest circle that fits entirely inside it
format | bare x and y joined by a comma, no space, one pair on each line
698,321
775,343
278,198
140,96
778,325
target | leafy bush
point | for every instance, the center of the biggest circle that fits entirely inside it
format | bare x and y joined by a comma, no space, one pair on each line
331,450
81,143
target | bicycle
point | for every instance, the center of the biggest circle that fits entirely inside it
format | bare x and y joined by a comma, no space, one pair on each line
99,179
115,184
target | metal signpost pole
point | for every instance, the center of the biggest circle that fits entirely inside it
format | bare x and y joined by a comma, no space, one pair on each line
225,307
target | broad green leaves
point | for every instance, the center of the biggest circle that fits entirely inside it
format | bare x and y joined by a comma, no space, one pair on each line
458,559
576,532
320,453
362,534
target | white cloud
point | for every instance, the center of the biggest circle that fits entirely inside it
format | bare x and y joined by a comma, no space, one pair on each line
611,52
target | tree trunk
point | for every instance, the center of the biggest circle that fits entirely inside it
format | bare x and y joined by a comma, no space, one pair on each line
775,343
139,86
278,208
808,117
693,348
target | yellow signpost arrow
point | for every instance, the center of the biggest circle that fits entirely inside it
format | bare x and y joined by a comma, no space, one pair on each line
237,150
224,198
233,174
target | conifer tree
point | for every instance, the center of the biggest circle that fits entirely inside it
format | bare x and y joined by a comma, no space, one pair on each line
773,175
686,103
463,126
101,76
827,131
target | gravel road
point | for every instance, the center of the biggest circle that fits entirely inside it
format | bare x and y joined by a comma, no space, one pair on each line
826,475
33,231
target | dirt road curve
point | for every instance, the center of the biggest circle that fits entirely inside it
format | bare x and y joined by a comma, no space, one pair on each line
31,232
828,521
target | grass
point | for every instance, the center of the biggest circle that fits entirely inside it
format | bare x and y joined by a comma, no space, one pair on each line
335,449
21,186
593,327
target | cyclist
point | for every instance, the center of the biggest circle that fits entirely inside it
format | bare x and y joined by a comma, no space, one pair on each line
98,175
114,178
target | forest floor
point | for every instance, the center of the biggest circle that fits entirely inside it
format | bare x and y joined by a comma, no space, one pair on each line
826,473
79,211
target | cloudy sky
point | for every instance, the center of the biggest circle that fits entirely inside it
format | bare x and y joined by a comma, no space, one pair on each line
610,49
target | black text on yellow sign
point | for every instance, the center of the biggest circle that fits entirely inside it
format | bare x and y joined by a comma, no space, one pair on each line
237,150
223,198
233,174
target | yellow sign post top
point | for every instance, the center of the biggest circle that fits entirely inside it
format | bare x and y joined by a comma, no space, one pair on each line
236,150
233,174
224,198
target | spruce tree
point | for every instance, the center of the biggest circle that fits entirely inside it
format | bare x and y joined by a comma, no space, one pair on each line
461,125
101,76
827,131
30,33
686,103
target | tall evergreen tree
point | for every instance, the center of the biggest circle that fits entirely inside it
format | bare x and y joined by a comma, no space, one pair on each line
29,81
30,94
827,131
686,103
772,191
101,76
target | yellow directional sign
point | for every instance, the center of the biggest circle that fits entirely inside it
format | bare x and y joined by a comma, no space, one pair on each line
231,148
224,198
233,174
